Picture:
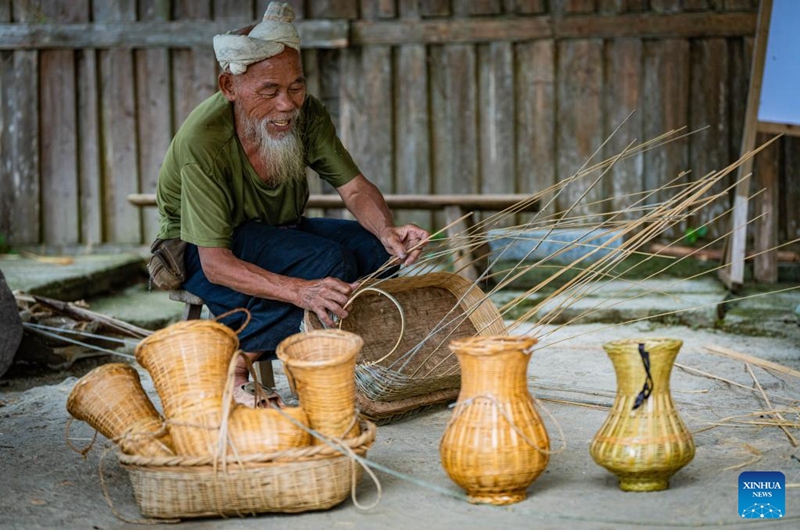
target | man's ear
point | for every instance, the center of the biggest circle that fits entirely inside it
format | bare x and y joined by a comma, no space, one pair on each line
226,85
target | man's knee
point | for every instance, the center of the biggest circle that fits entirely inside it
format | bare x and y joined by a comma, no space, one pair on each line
325,259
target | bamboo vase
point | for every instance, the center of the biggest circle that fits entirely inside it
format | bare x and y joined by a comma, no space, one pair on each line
322,365
495,444
643,441
111,399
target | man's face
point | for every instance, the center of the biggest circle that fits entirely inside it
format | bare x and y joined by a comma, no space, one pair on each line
272,90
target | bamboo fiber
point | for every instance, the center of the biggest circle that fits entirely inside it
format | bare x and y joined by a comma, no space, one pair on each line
294,480
111,399
644,446
438,307
495,444
322,363
188,362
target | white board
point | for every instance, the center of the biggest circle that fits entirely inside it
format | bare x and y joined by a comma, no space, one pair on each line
780,84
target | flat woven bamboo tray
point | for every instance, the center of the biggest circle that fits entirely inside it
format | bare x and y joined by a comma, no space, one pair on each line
438,307
295,480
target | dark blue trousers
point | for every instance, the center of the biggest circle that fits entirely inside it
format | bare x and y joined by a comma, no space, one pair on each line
314,249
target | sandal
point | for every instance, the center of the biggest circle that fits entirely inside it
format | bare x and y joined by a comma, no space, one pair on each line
246,395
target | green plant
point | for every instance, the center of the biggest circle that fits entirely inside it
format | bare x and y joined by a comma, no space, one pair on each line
691,235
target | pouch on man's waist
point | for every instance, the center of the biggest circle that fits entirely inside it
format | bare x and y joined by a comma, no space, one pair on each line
166,266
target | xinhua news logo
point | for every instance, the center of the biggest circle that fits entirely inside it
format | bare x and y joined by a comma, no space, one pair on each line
762,495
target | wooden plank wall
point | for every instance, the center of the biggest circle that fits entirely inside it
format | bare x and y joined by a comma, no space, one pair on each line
430,96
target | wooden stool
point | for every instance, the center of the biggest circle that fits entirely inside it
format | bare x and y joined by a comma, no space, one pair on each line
193,305
193,308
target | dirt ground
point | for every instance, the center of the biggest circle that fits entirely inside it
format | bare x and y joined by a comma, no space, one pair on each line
47,485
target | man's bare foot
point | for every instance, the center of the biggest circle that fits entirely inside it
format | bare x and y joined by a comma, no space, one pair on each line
245,394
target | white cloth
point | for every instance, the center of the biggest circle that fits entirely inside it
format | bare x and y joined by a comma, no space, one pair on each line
268,38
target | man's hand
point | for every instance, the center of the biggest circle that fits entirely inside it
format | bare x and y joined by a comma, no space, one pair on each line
325,296
405,242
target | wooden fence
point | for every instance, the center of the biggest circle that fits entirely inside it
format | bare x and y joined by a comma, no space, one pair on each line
430,96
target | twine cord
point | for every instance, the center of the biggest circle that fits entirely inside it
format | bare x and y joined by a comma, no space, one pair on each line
150,436
227,404
647,388
368,465
461,406
86,449
339,445
110,502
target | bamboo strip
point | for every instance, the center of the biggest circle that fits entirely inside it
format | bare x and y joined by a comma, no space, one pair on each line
695,371
763,363
791,437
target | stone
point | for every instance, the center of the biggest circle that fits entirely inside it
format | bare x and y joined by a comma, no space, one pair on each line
10,326
563,246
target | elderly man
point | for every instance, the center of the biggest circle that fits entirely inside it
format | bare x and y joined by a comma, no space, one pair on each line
233,186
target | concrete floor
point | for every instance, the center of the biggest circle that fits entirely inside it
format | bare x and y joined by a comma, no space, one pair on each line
47,485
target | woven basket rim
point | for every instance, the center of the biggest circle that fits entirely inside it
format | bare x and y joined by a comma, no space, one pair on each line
656,344
348,336
455,284
93,374
486,345
361,442
180,328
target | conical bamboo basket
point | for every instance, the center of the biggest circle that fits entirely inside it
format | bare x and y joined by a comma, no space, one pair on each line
188,362
111,399
645,446
495,445
322,365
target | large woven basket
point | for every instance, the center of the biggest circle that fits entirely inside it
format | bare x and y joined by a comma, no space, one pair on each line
419,373
295,480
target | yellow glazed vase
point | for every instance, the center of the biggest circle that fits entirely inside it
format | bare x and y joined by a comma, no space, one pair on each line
495,444
643,441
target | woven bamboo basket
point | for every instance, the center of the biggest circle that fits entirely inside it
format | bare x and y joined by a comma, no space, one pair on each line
190,363
643,445
294,480
321,364
420,371
111,399
495,444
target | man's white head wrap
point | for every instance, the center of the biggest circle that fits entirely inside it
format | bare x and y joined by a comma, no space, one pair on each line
269,37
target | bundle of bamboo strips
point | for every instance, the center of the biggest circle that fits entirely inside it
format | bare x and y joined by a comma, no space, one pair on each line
615,236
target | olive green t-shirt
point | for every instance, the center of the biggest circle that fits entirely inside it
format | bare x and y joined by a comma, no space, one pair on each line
207,186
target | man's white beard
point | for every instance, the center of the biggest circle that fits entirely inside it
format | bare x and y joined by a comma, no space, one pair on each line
283,157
